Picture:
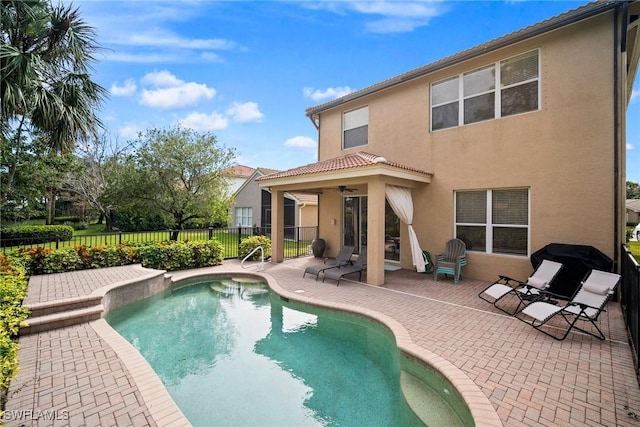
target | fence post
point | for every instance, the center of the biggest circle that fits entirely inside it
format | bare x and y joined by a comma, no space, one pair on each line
57,242
120,237
210,233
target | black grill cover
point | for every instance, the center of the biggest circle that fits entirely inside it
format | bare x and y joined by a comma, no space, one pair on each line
577,261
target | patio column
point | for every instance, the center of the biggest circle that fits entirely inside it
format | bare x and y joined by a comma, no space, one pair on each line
277,226
375,233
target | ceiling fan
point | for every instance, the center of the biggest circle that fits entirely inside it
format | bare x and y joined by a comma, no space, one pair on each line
344,188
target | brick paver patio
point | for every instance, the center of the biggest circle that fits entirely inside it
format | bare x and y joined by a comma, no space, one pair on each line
85,375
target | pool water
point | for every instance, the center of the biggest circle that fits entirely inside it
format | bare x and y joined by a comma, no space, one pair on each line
232,353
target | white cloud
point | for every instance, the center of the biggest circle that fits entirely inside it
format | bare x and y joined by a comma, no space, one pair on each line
143,57
161,79
206,122
245,112
629,146
127,89
635,94
169,92
166,39
130,131
329,93
395,16
300,142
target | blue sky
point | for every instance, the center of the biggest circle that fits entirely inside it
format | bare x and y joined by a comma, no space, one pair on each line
247,70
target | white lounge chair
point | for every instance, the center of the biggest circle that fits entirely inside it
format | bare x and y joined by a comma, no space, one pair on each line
527,291
589,301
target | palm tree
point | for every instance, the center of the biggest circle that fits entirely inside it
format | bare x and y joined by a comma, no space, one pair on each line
46,53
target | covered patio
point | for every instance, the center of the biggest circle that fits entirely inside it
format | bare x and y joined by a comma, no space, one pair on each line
359,174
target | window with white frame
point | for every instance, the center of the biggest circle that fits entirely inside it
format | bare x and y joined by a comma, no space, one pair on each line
355,128
498,90
493,221
244,217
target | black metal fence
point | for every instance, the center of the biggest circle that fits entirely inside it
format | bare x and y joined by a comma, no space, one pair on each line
630,301
297,239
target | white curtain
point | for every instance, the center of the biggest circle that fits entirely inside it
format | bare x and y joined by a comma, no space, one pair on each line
400,200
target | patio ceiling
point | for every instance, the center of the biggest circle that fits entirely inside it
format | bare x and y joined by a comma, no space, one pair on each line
352,170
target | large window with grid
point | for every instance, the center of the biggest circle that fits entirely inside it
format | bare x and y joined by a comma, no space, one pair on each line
498,90
244,217
493,221
355,128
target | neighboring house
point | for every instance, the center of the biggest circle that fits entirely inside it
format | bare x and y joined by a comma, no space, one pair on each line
633,211
499,145
252,207
237,175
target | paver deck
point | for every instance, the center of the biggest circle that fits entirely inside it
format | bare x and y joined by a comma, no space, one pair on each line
79,375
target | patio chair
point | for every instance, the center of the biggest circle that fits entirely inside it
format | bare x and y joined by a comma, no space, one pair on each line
343,258
451,260
527,291
358,266
589,301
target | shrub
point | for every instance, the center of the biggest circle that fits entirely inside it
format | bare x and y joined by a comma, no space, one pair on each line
80,225
13,289
181,255
134,221
164,256
65,219
31,234
248,244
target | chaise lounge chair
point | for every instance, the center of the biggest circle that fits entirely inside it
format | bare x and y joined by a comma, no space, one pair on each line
527,291
358,267
343,258
589,301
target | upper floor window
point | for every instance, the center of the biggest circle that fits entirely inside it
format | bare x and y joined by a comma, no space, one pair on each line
493,221
355,128
498,90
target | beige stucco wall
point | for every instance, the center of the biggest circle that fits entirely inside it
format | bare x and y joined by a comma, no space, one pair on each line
562,153
308,216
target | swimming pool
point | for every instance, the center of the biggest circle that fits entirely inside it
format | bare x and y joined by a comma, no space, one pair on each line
230,352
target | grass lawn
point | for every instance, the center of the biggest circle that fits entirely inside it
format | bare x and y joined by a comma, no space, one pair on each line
634,248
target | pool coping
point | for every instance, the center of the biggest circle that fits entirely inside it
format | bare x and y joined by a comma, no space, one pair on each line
166,412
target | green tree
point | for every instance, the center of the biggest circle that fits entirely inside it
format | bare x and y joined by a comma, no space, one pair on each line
46,53
633,190
176,172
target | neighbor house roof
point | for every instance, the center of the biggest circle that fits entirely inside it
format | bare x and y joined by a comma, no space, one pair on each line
550,24
633,204
239,171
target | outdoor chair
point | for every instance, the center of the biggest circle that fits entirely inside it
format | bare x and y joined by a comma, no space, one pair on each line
343,258
526,292
451,260
589,301
358,266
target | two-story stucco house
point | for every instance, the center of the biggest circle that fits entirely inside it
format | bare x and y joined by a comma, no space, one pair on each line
499,145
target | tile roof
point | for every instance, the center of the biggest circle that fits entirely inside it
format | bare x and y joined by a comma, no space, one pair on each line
239,171
349,161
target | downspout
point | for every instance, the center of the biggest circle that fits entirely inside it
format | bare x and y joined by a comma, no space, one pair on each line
619,39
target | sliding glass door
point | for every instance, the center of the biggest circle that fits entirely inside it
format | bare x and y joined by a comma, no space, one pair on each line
355,221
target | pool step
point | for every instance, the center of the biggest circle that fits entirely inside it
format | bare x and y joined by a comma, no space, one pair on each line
62,313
